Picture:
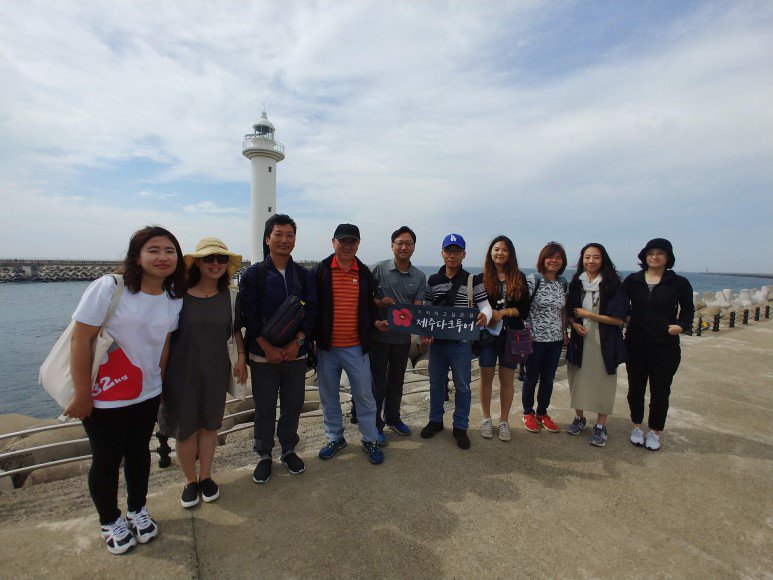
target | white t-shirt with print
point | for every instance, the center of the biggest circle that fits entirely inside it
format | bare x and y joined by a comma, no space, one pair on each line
139,326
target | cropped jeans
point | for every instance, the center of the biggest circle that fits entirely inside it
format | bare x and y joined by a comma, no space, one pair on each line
455,355
330,363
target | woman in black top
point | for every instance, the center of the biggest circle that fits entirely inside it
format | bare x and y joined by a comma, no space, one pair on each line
509,298
661,309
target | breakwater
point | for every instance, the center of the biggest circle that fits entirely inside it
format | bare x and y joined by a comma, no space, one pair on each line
54,270
71,270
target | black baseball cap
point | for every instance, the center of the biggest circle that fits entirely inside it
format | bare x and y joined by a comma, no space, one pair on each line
344,231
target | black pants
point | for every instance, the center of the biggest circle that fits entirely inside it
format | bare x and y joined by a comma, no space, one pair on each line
656,362
120,434
387,366
288,381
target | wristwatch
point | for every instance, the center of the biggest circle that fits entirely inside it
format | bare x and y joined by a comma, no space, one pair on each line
300,340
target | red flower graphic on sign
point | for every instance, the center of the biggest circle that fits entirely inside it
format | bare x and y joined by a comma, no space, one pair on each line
402,317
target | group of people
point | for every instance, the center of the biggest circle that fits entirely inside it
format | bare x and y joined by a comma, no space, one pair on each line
180,325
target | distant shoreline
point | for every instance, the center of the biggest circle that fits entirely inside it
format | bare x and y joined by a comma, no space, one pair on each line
765,276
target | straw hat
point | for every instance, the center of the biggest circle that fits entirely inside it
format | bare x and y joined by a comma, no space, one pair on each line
210,246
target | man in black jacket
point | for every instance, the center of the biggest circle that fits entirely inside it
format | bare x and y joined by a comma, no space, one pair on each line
346,318
277,370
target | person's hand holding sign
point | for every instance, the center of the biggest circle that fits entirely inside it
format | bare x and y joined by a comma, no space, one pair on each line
482,319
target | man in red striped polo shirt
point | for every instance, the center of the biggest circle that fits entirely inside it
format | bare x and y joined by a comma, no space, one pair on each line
346,317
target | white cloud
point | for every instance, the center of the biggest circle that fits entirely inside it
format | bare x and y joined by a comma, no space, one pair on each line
210,207
399,113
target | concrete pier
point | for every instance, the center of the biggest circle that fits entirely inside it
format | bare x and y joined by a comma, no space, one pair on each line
543,504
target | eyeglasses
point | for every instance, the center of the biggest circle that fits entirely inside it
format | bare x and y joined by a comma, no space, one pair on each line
453,252
212,257
402,244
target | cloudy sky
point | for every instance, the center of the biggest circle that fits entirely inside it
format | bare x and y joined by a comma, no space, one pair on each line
612,121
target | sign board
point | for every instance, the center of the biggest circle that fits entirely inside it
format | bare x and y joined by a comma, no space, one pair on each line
446,322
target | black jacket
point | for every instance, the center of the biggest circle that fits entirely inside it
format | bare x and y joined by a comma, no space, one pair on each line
366,315
610,335
670,302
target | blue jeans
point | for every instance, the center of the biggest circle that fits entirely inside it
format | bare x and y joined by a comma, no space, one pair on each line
541,366
330,363
457,356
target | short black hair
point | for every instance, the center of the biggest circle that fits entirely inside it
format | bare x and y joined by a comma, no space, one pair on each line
404,230
278,219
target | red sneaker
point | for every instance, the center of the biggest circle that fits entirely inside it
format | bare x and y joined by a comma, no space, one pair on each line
531,423
547,423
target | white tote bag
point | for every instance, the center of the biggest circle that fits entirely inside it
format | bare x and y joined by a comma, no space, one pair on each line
236,390
55,373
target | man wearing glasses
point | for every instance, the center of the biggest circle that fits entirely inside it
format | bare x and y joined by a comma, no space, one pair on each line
449,288
399,282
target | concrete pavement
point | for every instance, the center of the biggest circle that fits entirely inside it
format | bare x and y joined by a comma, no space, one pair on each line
545,504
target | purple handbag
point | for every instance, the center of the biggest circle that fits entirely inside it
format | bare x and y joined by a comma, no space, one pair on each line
518,346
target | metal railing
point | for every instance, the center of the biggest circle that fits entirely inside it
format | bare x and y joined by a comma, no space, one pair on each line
418,378
259,142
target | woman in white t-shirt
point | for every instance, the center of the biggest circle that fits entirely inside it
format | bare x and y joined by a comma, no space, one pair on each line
119,410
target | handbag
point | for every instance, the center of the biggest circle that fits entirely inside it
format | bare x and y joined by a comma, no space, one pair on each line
55,375
234,389
518,346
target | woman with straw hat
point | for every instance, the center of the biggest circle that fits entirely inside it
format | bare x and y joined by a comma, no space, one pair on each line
199,368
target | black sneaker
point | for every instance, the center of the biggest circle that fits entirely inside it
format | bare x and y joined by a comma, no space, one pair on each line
293,462
461,438
209,490
262,471
430,429
190,495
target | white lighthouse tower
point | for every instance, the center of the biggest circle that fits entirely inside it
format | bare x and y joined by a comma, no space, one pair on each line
264,152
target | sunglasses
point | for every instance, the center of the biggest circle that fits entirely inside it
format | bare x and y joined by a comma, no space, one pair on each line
212,257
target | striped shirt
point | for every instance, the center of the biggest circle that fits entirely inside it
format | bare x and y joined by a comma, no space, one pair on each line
346,294
439,284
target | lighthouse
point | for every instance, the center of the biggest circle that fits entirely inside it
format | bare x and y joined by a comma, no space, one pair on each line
264,152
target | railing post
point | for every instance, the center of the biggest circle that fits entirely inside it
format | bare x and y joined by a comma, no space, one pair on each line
700,326
715,328
746,316
732,320
757,314
767,311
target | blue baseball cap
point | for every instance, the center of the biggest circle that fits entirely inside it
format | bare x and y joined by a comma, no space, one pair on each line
453,240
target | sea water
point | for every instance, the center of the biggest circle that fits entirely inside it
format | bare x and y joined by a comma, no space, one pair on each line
33,315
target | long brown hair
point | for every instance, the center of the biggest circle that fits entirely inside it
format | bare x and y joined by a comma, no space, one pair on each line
514,280
174,284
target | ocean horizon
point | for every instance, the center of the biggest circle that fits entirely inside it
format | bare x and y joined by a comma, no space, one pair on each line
34,314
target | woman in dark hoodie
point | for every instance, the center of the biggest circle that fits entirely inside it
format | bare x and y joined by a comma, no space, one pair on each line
661,309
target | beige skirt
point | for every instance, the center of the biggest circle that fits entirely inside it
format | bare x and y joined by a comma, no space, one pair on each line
590,387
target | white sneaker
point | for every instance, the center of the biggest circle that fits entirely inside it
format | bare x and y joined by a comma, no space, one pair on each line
504,431
142,525
486,430
118,537
653,441
637,437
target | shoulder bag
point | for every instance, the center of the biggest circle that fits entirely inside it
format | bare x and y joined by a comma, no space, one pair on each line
55,375
233,351
518,342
